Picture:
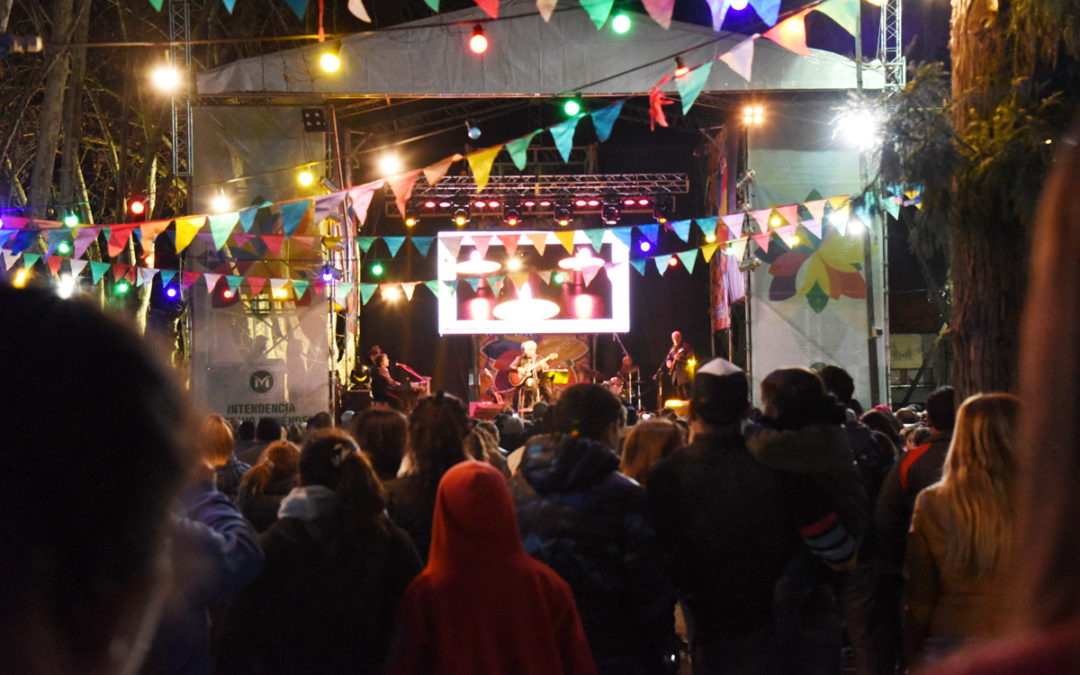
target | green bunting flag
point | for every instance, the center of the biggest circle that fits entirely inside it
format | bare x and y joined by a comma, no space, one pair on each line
422,244
365,243
394,244
596,238
639,266
688,259
598,10
221,227
518,149
366,291
563,135
300,287
691,84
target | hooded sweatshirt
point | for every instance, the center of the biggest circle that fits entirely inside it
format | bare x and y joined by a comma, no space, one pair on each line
482,605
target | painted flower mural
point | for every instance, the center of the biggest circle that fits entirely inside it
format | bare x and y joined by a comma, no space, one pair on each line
828,272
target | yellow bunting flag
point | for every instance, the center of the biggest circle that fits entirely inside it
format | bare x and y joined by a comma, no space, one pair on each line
566,237
186,229
708,250
480,163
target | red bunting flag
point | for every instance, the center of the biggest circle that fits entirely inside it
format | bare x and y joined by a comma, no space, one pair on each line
791,33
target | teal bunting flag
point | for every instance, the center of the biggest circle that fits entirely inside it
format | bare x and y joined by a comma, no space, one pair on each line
688,259
156,4
433,4
300,287
691,84
563,135
300,6
768,10
433,286
661,262
233,280
474,282
7,234
365,243
97,269
366,291
422,244
598,10
843,12
247,216
625,235
394,244
30,259
167,276
650,232
596,238
639,266
706,225
291,215
604,119
518,149
229,5
681,228
892,207
221,226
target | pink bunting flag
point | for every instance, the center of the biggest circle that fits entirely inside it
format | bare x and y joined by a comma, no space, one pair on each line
434,173
118,238
481,242
546,7
510,241
761,217
660,11
762,239
791,33
817,209
734,224
83,237
273,243
188,278
402,187
360,196
256,284
789,213
491,7
741,58
211,281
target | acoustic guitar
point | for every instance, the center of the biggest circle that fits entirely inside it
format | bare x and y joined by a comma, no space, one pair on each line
520,375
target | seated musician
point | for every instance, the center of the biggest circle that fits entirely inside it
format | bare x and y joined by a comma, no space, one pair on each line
382,384
533,371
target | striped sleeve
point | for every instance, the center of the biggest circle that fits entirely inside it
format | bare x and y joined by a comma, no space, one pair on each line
827,539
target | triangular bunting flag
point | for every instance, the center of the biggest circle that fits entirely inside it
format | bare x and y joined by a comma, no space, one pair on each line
741,58
342,290
304,241
718,9
98,269
148,275
409,288
761,217
737,249
510,243
327,204
707,226
118,239
256,284
596,238
221,227
490,7
453,245
639,266
422,244
660,262
54,262
402,187
786,232
292,213
273,243
789,213
30,259
892,207
365,243
53,239
394,244
598,10
708,250
186,279
566,238
813,227
481,242
691,84
545,276
357,9
23,240
299,287
650,232
433,286
8,259
247,216
519,149
625,235
660,11
150,231
688,259
434,173
474,283
791,33
433,4
539,241
298,6
604,119
186,229
816,209
843,12
77,266
762,239
681,228
480,165
563,135
277,286
361,199
768,10
546,7
518,279
211,281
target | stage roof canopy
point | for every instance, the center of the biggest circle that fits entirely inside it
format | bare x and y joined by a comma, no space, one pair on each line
526,57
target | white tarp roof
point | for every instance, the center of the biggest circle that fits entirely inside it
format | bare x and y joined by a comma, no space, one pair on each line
526,57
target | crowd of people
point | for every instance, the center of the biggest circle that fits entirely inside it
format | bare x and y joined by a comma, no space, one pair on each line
139,537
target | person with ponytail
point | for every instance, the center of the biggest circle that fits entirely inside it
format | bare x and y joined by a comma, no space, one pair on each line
266,484
336,569
961,534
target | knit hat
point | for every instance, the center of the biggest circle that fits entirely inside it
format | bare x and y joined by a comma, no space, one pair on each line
720,393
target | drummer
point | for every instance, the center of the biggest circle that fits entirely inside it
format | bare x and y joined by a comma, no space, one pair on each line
628,372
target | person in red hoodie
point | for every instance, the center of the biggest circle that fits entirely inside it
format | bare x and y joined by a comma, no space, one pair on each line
482,605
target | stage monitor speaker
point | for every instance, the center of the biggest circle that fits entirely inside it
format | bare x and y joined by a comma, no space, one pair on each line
482,410
356,400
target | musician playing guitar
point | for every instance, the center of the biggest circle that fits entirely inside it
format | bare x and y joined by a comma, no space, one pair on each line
527,373
677,364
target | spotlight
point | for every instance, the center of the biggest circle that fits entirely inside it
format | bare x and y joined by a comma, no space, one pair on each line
571,107
306,178
528,203
429,204
512,216
580,203
593,203
680,67
753,115
445,204
461,216
563,216
410,215
328,274
609,213
643,202
329,60
659,214
389,164
221,203
166,78
544,203
479,204
492,204
478,43
620,23
860,126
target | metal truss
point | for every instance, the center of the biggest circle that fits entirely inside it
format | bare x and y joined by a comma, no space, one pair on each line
180,57
890,49
557,186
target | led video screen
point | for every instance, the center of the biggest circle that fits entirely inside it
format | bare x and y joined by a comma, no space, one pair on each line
533,282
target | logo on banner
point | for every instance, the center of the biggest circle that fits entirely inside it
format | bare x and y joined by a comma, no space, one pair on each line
261,381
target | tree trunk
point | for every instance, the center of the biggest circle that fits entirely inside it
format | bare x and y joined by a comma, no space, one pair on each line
987,247
52,105
72,125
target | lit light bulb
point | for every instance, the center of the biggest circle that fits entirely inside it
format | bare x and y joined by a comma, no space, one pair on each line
330,62
65,288
389,164
620,23
478,43
21,277
306,178
571,107
738,5
165,78
221,203
71,220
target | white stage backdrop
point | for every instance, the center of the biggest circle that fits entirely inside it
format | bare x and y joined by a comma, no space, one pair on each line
808,304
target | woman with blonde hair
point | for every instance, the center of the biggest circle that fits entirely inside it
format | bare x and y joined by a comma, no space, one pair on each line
961,535
647,443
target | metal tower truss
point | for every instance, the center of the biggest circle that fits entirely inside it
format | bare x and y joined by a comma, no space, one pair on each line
180,57
891,48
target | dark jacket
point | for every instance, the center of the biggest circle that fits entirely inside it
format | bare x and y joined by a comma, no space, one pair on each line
410,500
592,525
262,509
215,553
322,604
915,470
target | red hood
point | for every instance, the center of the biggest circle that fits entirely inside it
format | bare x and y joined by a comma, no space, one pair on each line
474,517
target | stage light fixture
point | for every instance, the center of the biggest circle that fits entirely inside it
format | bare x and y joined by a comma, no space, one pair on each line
620,23
563,215
430,204
544,203
629,202
580,203
327,274
643,202
445,204
681,68
478,43
860,126
753,115
528,203
493,204
479,204
461,216
471,130
659,213
609,213
329,60
593,203
512,216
